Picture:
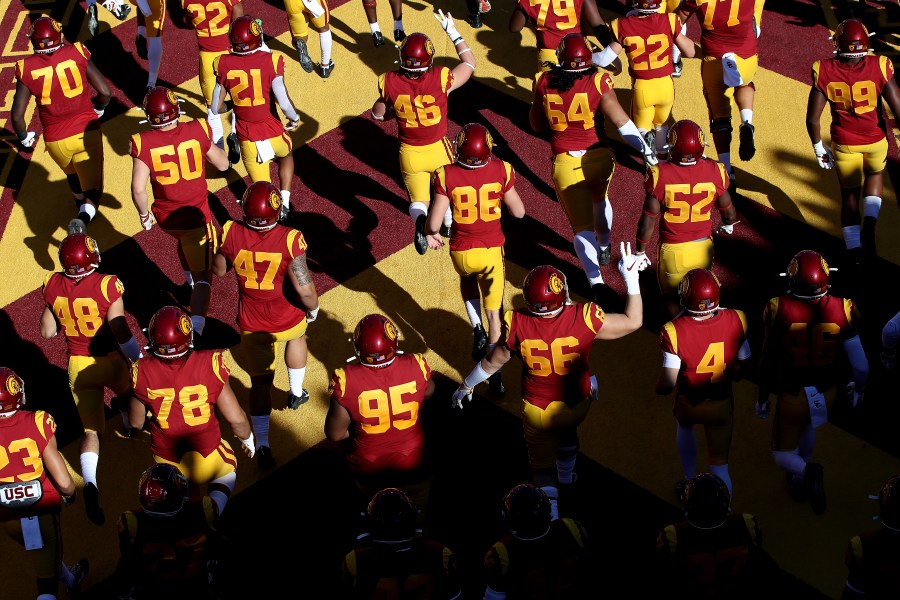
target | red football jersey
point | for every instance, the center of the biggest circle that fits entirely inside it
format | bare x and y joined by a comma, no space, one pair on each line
420,104
648,41
181,393
80,306
261,260
177,161
476,196
872,558
422,568
708,350
555,352
571,113
552,19
727,26
853,93
686,195
59,84
384,405
248,78
211,20
803,339
23,437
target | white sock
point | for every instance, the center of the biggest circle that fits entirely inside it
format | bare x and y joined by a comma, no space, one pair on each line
585,243
46,597
747,115
295,379
789,461
603,218
199,322
215,126
662,136
687,450
88,209
871,206
851,236
398,24
188,278
721,471
565,464
807,443
473,310
154,58
416,209
553,495
325,43
226,481
66,577
725,159
448,217
260,429
286,197
89,462
142,31
676,54
374,27
219,498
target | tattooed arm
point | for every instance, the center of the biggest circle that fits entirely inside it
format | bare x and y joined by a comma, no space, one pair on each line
301,278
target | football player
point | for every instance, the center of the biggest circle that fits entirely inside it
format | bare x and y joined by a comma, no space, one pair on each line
87,307
119,9
538,548
890,336
264,254
566,100
557,387
852,85
728,45
475,186
805,331
151,16
648,35
211,20
872,560
56,75
683,190
395,556
369,6
170,541
300,14
713,552
376,404
553,21
251,74
186,392
417,94
704,349
34,485
172,156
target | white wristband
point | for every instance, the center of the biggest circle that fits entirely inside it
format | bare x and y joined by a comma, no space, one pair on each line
633,286
131,350
476,376
311,315
604,58
819,148
250,444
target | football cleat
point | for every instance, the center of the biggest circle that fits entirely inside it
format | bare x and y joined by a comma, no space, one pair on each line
445,231
377,39
495,384
234,148
264,459
140,46
79,571
93,21
325,70
306,62
76,226
605,254
295,402
419,239
679,66
92,504
285,212
399,35
474,21
747,148
813,476
479,343
120,12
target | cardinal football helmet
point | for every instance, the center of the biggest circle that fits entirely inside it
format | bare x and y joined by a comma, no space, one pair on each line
889,501
706,501
12,391
808,275
170,332
161,106
526,512
573,53
699,292
473,146
416,53
246,35
163,490
686,142
546,291
262,205
391,516
851,39
375,340
79,255
46,35
646,7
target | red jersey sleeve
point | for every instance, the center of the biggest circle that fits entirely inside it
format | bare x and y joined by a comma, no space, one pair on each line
296,243
510,177
219,368
593,316
667,339
852,314
46,425
112,288
440,182
278,64
507,333
84,52
446,79
603,82
338,385
226,248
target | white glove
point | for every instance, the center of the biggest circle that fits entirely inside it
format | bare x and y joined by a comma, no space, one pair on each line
855,397
29,140
99,111
887,358
823,156
629,269
462,393
727,229
147,220
312,315
292,125
650,155
249,446
448,26
642,261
